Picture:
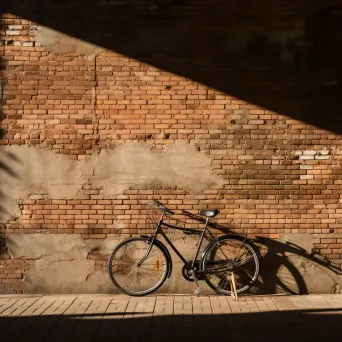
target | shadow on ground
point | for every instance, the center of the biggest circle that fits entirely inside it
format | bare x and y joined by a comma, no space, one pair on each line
282,55
305,325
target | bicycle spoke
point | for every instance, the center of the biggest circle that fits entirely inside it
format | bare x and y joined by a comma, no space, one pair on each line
249,275
121,270
217,269
223,281
245,261
124,264
242,261
129,273
132,277
153,273
236,254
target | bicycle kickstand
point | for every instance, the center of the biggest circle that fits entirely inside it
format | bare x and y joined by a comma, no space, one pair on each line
198,290
234,293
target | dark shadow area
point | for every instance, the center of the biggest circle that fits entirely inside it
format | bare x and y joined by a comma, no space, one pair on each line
305,325
282,55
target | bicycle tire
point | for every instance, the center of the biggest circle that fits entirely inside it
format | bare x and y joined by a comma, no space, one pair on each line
130,252
215,268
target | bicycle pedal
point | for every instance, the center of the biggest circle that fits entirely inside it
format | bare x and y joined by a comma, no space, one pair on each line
197,291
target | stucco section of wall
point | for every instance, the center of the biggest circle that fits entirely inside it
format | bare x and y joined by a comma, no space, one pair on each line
178,165
61,264
289,266
59,43
33,170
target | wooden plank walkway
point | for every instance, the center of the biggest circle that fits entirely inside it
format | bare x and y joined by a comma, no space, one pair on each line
170,318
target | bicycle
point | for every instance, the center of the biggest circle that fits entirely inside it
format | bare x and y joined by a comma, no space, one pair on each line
140,265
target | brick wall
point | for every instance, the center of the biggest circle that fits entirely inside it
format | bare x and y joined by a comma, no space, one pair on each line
281,172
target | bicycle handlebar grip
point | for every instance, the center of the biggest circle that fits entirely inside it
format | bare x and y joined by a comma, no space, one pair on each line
162,207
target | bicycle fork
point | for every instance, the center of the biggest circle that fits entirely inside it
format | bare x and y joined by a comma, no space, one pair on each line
147,253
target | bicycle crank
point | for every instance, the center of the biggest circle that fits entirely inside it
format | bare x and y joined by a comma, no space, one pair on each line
187,272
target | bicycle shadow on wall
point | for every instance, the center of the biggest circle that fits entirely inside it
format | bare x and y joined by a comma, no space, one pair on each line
282,55
289,268
286,267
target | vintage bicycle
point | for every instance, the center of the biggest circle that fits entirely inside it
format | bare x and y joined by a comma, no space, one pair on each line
140,265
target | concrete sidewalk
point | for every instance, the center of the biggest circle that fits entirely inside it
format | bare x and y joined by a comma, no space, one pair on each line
170,318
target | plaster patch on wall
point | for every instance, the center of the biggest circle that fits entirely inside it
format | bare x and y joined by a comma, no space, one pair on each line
29,170
303,242
314,277
59,43
135,164
32,170
60,263
288,266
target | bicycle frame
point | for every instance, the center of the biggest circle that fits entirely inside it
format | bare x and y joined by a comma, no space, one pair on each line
160,231
216,271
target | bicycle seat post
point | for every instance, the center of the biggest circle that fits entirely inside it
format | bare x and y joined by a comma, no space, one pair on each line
193,272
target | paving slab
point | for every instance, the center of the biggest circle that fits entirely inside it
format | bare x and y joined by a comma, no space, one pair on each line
52,318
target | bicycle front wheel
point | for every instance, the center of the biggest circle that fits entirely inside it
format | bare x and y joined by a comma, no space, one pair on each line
134,270
230,257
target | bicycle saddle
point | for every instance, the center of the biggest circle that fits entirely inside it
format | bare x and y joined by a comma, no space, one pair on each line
209,213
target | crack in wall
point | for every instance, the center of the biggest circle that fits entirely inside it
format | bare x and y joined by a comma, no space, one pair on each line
56,262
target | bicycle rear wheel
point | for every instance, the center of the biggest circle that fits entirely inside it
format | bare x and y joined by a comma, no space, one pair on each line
132,278
226,256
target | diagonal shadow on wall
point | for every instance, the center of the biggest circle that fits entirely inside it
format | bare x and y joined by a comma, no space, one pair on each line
282,55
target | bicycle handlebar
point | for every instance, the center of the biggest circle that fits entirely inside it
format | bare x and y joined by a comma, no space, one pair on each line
163,208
